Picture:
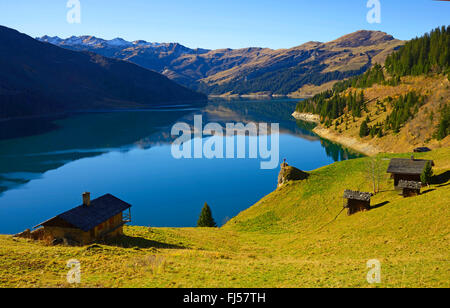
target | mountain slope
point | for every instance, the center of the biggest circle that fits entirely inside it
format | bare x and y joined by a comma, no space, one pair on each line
250,70
38,78
403,106
155,56
291,238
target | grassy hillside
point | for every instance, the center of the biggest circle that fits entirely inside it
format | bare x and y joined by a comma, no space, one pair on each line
289,239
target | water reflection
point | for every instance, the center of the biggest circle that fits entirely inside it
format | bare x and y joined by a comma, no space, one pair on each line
46,162
30,147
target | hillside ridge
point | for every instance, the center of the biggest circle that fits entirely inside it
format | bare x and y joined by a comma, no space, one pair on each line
248,70
400,106
294,237
42,79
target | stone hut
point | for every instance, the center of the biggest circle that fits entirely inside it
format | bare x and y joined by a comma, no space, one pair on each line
410,188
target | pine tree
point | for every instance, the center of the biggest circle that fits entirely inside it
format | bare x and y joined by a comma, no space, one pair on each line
364,130
206,219
380,132
443,129
427,174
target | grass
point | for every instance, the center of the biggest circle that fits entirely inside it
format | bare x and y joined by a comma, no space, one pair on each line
288,239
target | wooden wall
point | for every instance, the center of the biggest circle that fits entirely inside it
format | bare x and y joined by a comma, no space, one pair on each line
59,232
405,177
355,206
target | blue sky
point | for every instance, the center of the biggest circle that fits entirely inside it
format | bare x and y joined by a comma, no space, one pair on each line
223,23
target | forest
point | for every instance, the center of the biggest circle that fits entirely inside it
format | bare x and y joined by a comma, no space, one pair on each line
330,104
427,54
281,81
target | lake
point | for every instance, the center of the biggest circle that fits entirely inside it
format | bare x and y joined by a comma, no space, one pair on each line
47,163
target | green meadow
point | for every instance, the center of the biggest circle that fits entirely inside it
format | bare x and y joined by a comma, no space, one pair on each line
297,236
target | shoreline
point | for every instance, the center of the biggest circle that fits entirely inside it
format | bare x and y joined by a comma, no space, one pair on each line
348,142
308,117
256,96
87,111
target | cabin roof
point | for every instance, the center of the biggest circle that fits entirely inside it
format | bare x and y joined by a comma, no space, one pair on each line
88,217
357,195
407,166
410,184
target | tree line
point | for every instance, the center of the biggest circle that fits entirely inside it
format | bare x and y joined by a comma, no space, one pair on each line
331,104
280,81
427,54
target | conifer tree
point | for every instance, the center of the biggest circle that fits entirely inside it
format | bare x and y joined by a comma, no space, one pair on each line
364,129
380,132
427,174
206,219
429,53
443,129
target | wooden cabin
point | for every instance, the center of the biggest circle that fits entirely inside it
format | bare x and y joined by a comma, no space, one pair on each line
410,188
406,169
356,201
93,220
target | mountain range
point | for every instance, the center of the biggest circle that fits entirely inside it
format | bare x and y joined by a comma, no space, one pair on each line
39,79
50,75
296,71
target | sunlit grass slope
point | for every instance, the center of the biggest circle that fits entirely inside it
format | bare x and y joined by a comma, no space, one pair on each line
291,238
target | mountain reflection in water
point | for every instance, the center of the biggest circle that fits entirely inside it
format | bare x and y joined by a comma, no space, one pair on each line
33,151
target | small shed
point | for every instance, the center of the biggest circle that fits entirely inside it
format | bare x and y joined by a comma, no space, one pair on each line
406,169
356,201
91,221
410,188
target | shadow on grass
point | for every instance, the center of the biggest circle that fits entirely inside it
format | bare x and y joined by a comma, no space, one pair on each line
377,206
427,191
386,190
126,241
443,185
442,178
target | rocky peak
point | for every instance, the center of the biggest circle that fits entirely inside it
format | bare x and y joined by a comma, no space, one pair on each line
361,38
